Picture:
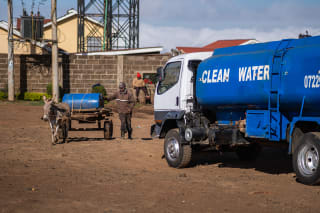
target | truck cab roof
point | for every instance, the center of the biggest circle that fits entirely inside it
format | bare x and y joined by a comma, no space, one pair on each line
192,56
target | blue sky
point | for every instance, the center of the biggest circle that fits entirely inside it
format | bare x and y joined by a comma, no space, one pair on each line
172,23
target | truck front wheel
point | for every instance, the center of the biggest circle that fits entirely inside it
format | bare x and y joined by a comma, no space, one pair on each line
177,154
306,162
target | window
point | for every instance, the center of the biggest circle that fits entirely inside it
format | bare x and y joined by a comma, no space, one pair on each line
93,44
171,77
150,78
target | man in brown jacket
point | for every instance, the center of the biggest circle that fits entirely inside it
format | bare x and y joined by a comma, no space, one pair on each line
125,104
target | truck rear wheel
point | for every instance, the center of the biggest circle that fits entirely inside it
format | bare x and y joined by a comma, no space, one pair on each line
306,162
177,154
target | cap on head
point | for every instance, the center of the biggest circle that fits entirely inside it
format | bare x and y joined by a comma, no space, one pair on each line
138,75
122,85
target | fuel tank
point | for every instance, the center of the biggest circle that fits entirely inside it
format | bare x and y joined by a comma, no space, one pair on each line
281,74
83,101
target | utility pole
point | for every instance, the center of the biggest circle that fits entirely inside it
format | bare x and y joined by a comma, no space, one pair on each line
10,54
54,60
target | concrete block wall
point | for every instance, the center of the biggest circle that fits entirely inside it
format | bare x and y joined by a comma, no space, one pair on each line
3,71
142,64
34,73
78,73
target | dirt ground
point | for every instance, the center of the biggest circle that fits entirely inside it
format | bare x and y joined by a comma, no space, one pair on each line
90,174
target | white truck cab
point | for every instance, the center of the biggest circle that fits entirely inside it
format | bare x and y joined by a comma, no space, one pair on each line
174,93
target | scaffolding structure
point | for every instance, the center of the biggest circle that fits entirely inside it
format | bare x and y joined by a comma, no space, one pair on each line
107,25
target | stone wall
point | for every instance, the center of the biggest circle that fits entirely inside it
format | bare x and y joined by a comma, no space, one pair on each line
81,72
142,64
78,73
3,71
32,73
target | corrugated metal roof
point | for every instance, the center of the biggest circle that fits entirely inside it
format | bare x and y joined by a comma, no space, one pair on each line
217,44
4,26
225,43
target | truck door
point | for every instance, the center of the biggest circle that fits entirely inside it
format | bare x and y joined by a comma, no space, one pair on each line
168,90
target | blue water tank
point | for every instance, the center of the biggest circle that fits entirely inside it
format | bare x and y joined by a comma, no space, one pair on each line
84,101
281,74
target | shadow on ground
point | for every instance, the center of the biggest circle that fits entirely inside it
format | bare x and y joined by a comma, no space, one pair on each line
271,161
83,139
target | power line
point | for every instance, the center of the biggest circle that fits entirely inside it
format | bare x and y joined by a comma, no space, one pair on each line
32,5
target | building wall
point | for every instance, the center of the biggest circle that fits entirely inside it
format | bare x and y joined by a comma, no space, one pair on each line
68,33
82,72
87,32
142,64
78,73
19,47
32,73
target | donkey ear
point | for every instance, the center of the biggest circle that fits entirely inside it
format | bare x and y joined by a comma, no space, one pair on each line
44,98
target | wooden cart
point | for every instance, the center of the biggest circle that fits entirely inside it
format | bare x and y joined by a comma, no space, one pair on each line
100,116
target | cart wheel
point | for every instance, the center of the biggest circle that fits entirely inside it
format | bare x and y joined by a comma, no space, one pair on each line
108,129
69,124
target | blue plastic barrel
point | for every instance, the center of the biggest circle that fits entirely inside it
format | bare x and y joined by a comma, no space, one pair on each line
84,101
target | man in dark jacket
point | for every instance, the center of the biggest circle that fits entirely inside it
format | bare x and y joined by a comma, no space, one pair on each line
125,104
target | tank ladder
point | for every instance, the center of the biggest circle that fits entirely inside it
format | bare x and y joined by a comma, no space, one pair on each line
274,95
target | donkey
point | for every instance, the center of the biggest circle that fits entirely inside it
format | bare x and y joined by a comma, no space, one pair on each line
57,114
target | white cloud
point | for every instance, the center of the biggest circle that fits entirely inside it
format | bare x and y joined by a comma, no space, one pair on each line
170,37
222,14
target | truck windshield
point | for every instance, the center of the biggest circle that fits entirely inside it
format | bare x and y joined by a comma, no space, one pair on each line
171,77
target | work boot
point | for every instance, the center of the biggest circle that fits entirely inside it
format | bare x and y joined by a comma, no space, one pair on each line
147,100
130,134
122,134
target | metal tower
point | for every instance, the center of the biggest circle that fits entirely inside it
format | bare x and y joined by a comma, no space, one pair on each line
80,38
119,20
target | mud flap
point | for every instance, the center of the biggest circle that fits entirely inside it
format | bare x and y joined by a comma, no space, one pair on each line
155,131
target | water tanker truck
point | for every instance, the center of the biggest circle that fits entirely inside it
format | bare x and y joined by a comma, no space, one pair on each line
240,98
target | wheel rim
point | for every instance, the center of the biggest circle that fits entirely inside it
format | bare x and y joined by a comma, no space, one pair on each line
173,149
308,160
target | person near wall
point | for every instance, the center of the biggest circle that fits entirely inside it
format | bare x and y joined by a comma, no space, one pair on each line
125,104
139,84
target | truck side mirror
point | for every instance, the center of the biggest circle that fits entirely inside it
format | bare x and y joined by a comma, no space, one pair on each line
160,74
